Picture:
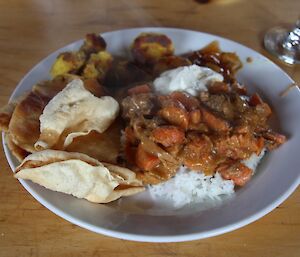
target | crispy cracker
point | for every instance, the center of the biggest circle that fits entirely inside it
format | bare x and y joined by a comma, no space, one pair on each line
79,175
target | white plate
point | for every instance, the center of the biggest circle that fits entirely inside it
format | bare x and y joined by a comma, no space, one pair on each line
276,178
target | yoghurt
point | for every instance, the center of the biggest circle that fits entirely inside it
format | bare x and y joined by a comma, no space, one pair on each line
190,79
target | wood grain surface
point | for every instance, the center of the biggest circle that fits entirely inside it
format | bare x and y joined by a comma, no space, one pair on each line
32,29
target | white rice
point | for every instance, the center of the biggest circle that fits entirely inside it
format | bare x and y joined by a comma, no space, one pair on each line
194,187
253,161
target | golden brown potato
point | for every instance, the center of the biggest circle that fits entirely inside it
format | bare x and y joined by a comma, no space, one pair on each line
148,48
97,65
168,63
92,51
68,62
93,44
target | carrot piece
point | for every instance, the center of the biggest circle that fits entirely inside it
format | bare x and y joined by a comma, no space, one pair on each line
214,122
140,89
130,136
239,173
168,135
145,160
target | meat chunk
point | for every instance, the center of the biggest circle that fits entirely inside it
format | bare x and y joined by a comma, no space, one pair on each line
221,104
197,154
138,104
237,146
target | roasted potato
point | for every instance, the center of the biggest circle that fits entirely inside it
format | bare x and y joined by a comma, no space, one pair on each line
93,44
91,54
97,65
148,48
68,62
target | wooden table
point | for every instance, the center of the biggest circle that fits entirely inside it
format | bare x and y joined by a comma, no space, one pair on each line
30,30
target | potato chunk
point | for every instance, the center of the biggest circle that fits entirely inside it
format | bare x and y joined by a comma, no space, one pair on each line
148,48
92,44
68,62
97,65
